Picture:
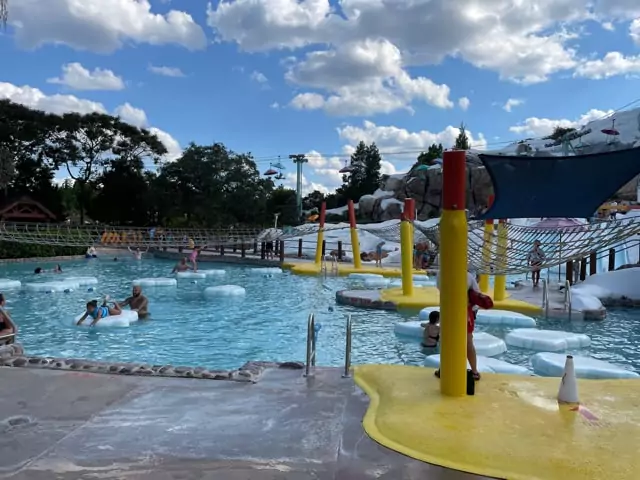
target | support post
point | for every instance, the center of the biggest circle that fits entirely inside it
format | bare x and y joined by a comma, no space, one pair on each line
500,285
221,250
593,263
453,275
281,242
355,242
243,250
569,272
300,248
612,259
487,249
320,241
340,250
263,250
406,246
255,248
583,269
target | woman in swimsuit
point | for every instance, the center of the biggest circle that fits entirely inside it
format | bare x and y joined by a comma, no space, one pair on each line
97,312
431,335
535,258
7,327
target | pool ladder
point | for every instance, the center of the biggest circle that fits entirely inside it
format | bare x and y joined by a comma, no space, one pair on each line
567,298
312,336
334,266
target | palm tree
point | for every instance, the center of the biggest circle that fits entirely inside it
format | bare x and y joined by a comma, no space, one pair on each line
4,12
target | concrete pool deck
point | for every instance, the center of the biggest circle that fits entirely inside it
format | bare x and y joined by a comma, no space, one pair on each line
76,425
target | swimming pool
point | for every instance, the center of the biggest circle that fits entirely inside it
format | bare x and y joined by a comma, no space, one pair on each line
269,323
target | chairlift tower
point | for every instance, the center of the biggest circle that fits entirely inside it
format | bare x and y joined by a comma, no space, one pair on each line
299,159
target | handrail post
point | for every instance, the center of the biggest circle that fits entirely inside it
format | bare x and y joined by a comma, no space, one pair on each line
567,297
311,345
545,297
347,354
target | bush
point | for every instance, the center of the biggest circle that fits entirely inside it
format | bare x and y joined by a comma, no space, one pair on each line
28,250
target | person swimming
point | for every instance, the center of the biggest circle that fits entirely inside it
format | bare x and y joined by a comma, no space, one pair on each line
7,327
57,269
97,312
136,302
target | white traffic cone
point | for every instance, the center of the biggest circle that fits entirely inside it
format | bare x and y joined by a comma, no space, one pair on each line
568,392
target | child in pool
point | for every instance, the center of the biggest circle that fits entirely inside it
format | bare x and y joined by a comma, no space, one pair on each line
431,335
97,312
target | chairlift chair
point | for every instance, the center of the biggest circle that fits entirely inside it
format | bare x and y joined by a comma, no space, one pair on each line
346,169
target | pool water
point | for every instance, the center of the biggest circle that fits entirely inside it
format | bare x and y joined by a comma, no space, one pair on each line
269,323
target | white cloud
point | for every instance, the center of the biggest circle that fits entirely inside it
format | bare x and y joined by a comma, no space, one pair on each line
611,65
522,41
275,105
101,26
399,143
308,186
259,77
75,76
511,104
132,115
541,127
464,103
166,71
362,78
608,26
634,31
60,104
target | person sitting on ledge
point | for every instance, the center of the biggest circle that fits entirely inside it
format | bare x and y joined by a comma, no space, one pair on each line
136,302
97,312
182,266
7,327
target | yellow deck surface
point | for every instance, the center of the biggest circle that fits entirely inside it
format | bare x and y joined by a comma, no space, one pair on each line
430,297
511,428
310,268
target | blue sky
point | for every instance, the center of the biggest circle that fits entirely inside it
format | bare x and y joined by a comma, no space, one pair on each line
276,77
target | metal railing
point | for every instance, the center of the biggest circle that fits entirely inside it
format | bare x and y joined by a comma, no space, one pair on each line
545,297
311,345
8,339
567,297
347,353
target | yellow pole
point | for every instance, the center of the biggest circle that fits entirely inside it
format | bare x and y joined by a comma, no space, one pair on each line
500,285
453,276
355,241
323,212
486,254
406,247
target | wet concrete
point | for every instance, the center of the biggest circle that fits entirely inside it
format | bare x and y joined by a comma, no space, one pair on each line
71,425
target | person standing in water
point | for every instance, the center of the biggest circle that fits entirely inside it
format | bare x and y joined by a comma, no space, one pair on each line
194,256
7,327
136,302
137,253
182,266
379,254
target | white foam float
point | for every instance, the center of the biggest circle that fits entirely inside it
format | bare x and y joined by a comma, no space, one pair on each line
363,276
552,365
225,291
397,282
82,281
376,282
546,340
486,345
50,287
420,278
485,365
263,270
213,272
123,320
155,282
491,317
191,275
7,284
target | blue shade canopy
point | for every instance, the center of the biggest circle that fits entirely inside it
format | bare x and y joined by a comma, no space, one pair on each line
574,187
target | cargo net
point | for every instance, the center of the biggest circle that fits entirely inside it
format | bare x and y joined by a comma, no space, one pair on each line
559,245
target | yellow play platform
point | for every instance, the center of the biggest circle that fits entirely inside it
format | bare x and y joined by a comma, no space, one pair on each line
511,428
310,268
430,297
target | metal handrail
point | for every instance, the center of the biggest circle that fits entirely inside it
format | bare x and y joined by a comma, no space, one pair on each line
311,345
9,336
347,353
545,297
567,296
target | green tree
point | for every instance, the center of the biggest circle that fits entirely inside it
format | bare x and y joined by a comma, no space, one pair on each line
364,177
559,132
462,141
313,201
431,155
283,201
